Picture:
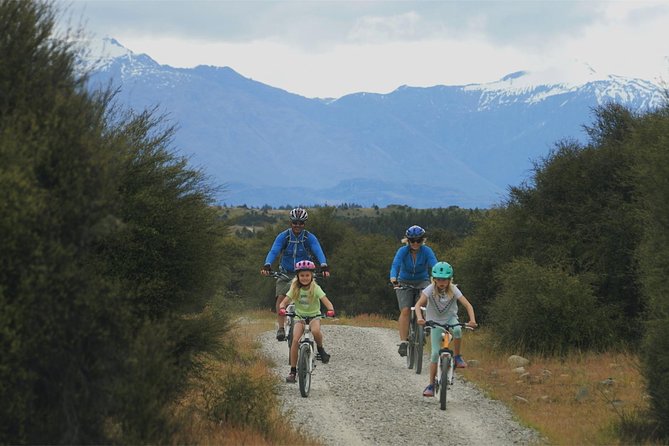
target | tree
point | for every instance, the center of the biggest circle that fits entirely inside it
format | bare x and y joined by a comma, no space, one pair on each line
109,247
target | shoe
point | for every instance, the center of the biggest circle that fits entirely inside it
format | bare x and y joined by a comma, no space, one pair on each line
281,335
429,390
402,350
460,363
291,378
325,357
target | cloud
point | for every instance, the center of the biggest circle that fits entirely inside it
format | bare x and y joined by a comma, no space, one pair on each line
330,48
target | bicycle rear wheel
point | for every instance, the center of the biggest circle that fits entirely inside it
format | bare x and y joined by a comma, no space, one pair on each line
443,389
304,369
420,343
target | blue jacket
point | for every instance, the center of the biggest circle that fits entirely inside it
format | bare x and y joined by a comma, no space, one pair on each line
404,267
294,248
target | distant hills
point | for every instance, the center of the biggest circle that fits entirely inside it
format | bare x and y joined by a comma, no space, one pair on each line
423,147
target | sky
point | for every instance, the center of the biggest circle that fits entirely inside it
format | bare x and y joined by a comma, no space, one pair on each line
322,48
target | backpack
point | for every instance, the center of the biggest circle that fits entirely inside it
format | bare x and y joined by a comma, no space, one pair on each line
305,242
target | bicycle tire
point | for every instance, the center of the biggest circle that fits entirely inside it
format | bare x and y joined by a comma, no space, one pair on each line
443,389
411,347
304,369
289,335
420,342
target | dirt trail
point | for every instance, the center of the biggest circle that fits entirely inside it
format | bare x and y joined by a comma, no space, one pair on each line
367,396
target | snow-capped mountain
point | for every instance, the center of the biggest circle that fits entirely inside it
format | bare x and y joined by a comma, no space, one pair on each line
424,147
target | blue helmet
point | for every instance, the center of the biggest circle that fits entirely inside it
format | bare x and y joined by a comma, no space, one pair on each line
415,232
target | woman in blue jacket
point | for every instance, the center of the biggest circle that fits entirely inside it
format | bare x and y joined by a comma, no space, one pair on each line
294,245
411,266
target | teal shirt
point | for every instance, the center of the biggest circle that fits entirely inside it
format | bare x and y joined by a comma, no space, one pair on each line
303,306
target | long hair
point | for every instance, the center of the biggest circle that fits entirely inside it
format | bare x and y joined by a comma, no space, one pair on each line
450,291
295,286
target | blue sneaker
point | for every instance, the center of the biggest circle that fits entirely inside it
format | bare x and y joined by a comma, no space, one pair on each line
429,390
460,362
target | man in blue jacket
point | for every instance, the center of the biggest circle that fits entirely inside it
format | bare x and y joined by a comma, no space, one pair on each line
294,244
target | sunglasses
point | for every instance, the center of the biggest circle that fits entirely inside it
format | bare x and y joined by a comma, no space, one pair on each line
415,240
297,223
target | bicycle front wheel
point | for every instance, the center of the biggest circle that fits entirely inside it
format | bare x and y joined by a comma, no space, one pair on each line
420,343
411,347
289,335
443,389
304,369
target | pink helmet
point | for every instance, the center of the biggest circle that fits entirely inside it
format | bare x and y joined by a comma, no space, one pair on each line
304,265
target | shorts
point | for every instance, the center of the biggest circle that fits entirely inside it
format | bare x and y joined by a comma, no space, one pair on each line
282,286
407,297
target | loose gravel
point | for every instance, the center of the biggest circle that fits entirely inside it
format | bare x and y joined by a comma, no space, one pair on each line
366,395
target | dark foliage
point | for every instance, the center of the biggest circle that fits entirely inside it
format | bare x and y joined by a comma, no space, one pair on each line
108,243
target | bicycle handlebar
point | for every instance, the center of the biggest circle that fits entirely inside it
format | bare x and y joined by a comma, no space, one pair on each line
447,326
406,286
322,315
278,275
282,275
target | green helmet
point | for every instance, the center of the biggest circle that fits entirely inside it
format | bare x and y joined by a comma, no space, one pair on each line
442,270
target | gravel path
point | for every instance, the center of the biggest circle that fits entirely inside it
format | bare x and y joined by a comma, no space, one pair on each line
367,396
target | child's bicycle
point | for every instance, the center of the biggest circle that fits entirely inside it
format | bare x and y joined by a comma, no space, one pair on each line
446,364
290,309
416,337
306,355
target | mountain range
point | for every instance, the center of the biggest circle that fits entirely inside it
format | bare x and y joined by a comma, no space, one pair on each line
425,147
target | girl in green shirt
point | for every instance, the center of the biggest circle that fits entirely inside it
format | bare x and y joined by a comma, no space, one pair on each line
307,296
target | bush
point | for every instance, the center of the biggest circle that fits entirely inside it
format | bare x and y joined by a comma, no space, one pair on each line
242,395
108,248
543,310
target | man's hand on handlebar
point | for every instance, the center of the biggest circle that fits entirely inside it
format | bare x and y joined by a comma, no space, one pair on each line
266,270
325,270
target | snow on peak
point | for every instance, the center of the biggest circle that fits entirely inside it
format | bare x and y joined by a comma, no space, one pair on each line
102,52
569,75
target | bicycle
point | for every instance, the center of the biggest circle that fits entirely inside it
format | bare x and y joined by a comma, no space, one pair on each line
290,309
416,337
306,354
446,364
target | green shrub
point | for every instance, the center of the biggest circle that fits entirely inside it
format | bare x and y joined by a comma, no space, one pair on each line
242,396
544,310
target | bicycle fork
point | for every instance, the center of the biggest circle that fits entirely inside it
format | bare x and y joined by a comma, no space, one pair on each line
446,353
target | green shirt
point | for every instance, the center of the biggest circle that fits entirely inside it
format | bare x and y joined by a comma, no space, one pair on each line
304,307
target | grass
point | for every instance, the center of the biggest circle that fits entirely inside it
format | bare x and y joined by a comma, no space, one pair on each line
234,399
577,400
580,400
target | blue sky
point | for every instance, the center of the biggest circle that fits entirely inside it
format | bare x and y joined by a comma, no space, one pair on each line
332,48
